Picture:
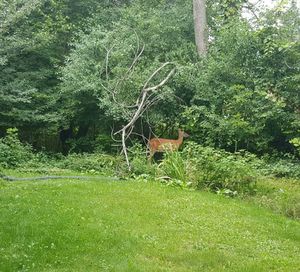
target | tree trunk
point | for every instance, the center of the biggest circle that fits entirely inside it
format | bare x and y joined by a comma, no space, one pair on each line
200,26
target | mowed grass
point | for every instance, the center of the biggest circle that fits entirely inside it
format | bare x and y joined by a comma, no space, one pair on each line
66,225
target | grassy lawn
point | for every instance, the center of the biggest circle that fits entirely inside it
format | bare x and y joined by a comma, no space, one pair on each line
66,225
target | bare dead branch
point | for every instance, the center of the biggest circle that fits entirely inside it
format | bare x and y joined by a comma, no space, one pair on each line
112,136
140,135
137,57
155,73
129,132
107,60
128,128
162,82
145,100
125,148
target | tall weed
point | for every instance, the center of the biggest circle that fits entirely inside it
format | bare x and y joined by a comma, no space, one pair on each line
174,168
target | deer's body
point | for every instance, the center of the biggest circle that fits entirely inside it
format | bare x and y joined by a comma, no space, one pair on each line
162,145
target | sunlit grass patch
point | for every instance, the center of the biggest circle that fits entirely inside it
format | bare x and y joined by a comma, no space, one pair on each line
67,225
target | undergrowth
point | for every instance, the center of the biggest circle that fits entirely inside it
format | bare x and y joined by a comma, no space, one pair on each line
195,167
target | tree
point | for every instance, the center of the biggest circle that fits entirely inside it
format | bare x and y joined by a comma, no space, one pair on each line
200,24
86,77
147,97
35,38
247,91
31,47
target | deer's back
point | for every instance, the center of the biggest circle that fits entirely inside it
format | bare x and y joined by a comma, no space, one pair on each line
159,144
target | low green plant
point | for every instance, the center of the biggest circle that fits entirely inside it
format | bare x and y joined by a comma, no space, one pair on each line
219,171
139,162
92,163
280,167
13,153
208,168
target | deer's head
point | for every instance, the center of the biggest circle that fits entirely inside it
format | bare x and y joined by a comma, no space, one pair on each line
182,133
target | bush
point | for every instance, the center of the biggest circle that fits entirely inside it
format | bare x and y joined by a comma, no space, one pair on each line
221,171
139,161
13,153
174,166
104,143
93,163
215,170
280,167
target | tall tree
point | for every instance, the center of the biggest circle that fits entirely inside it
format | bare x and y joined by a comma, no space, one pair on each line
200,24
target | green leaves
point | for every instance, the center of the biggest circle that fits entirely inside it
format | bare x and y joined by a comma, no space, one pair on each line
246,92
12,152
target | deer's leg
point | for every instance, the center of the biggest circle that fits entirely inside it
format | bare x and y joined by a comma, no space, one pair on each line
150,156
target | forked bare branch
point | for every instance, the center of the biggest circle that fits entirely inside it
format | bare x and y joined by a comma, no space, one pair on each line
146,99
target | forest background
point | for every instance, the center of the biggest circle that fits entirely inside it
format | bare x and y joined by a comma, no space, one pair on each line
70,72
243,95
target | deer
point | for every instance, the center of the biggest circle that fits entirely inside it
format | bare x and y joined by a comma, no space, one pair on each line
162,145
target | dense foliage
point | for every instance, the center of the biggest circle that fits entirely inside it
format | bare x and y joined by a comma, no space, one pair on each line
60,61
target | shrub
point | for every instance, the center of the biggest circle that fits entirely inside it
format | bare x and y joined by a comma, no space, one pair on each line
82,144
221,171
104,143
93,163
288,167
208,168
283,169
139,161
13,153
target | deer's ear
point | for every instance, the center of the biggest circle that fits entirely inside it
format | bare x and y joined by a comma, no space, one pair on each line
186,135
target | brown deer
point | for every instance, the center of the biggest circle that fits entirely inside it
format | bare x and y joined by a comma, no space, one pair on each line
162,145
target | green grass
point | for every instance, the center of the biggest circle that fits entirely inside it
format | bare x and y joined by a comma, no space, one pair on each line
66,225
280,195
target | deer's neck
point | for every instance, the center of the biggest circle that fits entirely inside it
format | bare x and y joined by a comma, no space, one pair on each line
180,137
